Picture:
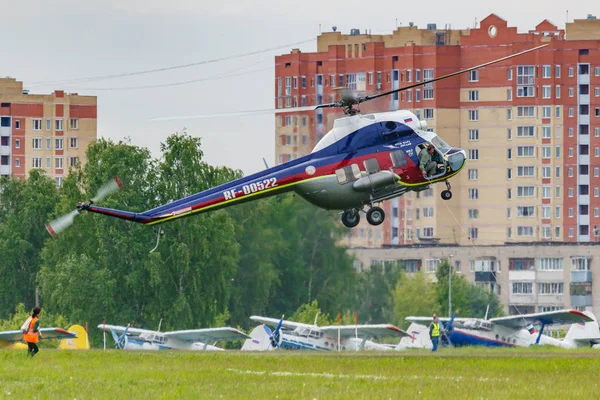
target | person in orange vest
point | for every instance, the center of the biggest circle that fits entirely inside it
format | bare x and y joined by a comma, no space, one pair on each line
33,334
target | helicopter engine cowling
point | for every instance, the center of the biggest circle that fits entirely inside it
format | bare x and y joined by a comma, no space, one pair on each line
375,181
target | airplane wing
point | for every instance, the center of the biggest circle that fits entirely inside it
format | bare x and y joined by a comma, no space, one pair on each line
207,335
547,318
47,334
428,320
274,322
120,329
368,331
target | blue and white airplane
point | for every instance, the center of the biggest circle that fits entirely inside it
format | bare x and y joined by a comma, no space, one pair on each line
291,335
511,331
127,338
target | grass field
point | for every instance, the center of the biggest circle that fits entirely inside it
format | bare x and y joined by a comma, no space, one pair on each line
468,373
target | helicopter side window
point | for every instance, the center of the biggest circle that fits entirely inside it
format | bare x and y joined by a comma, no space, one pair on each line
371,165
348,173
398,159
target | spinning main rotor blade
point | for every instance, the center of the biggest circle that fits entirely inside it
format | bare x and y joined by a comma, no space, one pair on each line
462,71
232,114
61,223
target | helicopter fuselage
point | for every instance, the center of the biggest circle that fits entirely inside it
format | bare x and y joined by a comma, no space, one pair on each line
363,160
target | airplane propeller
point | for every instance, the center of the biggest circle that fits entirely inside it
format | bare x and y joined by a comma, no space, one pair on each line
61,223
120,341
448,328
274,336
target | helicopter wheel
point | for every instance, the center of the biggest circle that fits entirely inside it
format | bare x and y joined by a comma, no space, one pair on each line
375,216
446,195
350,218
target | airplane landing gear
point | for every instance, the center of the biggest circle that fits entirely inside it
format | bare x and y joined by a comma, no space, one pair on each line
375,216
350,218
447,194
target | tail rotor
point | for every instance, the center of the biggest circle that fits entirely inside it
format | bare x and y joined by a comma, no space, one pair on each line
61,223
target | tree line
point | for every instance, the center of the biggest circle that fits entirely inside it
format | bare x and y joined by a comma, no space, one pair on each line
275,256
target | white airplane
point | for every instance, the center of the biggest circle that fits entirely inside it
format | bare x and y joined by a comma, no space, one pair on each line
511,331
299,336
12,338
194,339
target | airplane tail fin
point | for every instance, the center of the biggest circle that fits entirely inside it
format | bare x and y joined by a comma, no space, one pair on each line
260,340
419,338
584,334
81,342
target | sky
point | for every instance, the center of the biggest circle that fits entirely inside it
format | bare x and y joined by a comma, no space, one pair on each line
51,45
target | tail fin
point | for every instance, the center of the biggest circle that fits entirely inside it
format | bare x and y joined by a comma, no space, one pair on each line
259,340
81,342
419,338
584,334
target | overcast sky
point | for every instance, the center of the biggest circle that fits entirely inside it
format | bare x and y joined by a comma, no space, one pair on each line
63,40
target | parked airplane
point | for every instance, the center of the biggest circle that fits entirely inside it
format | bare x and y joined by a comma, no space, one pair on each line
15,338
299,336
128,338
511,331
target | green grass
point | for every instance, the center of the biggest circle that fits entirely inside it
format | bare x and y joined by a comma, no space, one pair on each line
470,373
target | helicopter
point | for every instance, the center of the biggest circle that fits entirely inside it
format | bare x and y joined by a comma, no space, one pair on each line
362,161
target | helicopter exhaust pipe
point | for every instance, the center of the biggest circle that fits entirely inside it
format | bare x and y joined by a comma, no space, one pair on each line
375,181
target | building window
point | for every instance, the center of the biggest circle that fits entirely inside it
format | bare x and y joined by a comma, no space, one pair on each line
59,124
557,212
570,71
571,112
525,171
473,213
525,191
546,171
36,162
474,76
557,115
36,124
58,162
546,153
522,288
525,151
473,174
571,92
525,211
74,142
473,115
37,144
526,111
546,92
73,161
557,94
473,95
546,112
428,87
59,181
509,154
546,71
473,134
509,75
525,131
17,162
428,113
546,132
525,231
473,233
58,143
473,194
557,155
550,288
509,133
474,154
509,95
525,81
17,143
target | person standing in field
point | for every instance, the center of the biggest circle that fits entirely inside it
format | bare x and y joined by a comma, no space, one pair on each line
32,332
434,332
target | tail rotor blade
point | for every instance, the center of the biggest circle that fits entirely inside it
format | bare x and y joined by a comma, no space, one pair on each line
111,187
60,224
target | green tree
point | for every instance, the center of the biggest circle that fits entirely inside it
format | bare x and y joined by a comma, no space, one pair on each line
24,209
306,313
414,296
376,292
470,299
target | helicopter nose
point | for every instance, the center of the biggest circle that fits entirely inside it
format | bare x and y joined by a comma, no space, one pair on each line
457,159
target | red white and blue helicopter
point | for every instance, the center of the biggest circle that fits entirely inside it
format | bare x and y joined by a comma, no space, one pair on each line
362,161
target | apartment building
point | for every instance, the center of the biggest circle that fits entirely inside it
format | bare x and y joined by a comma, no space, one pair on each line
530,125
528,277
44,131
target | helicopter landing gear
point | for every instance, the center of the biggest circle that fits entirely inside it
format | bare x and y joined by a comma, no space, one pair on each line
375,216
350,218
447,194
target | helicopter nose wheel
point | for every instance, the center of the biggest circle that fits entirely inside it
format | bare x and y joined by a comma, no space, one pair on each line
375,216
350,218
447,194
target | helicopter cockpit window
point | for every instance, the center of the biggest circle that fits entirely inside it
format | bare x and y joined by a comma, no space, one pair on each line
392,130
398,159
348,173
440,144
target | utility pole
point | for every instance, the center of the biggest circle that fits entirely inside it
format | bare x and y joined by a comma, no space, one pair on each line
450,286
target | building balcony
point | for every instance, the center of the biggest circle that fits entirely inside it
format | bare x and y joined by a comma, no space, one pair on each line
584,79
551,276
5,131
551,299
584,119
581,276
485,276
521,275
583,179
4,169
4,150
581,300
584,99
522,299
